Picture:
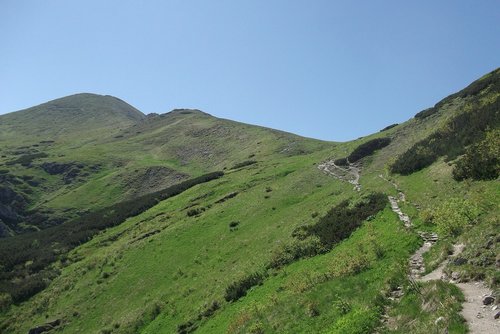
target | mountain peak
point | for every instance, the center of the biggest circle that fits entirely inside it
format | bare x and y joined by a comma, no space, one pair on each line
73,114
92,103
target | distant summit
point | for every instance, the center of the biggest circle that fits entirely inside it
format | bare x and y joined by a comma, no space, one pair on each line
70,115
89,104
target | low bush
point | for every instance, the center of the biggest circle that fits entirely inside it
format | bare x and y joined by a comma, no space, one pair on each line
233,225
453,216
5,301
225,198
239,288
364,150
481,161
195,212
389,127
27,159
490,81
244,164
450,140
342,219
368,148
359,320
426,113
341,162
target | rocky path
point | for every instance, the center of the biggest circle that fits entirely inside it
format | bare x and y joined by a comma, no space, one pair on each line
438,273
479,309
416,262
349,174
402,216
479,317
417,266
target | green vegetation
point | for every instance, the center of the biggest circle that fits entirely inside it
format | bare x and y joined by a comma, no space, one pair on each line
481,161
450,140
453,216
342,220
27,159
244,164
238,289
389,127
135,232
21,281
426,113
478,261
364,150
419,310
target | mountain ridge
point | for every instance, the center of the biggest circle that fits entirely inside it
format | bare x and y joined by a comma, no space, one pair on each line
271,242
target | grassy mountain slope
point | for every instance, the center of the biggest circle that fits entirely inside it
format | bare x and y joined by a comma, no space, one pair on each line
67,118
171,268
118,154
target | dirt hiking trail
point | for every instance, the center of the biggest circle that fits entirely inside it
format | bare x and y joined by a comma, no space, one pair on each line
479,316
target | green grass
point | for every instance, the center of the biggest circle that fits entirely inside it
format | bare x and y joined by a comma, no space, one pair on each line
433,308
198,251
191,144
165,270
285,302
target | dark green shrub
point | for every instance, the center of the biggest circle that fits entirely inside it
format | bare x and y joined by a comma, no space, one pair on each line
335,226
368,148
238,289
195,211
187,327
450,140
225,198
341,162
244,164
233,225
210,309
389,127
25,160
491,81
5,301
342,220
426,113
481,161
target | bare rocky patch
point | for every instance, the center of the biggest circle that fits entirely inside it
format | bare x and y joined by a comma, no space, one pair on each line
349,173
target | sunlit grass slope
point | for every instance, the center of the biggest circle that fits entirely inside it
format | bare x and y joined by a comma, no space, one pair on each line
168,269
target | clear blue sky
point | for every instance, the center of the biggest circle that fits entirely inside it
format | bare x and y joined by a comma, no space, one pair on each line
333,70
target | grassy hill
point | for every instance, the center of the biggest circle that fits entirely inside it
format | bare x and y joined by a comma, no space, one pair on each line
88,151
273,244
67,118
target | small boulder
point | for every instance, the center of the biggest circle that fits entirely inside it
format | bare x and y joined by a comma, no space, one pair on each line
488,300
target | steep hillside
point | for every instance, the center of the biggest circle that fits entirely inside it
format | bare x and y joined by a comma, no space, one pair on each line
88,151
291,235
